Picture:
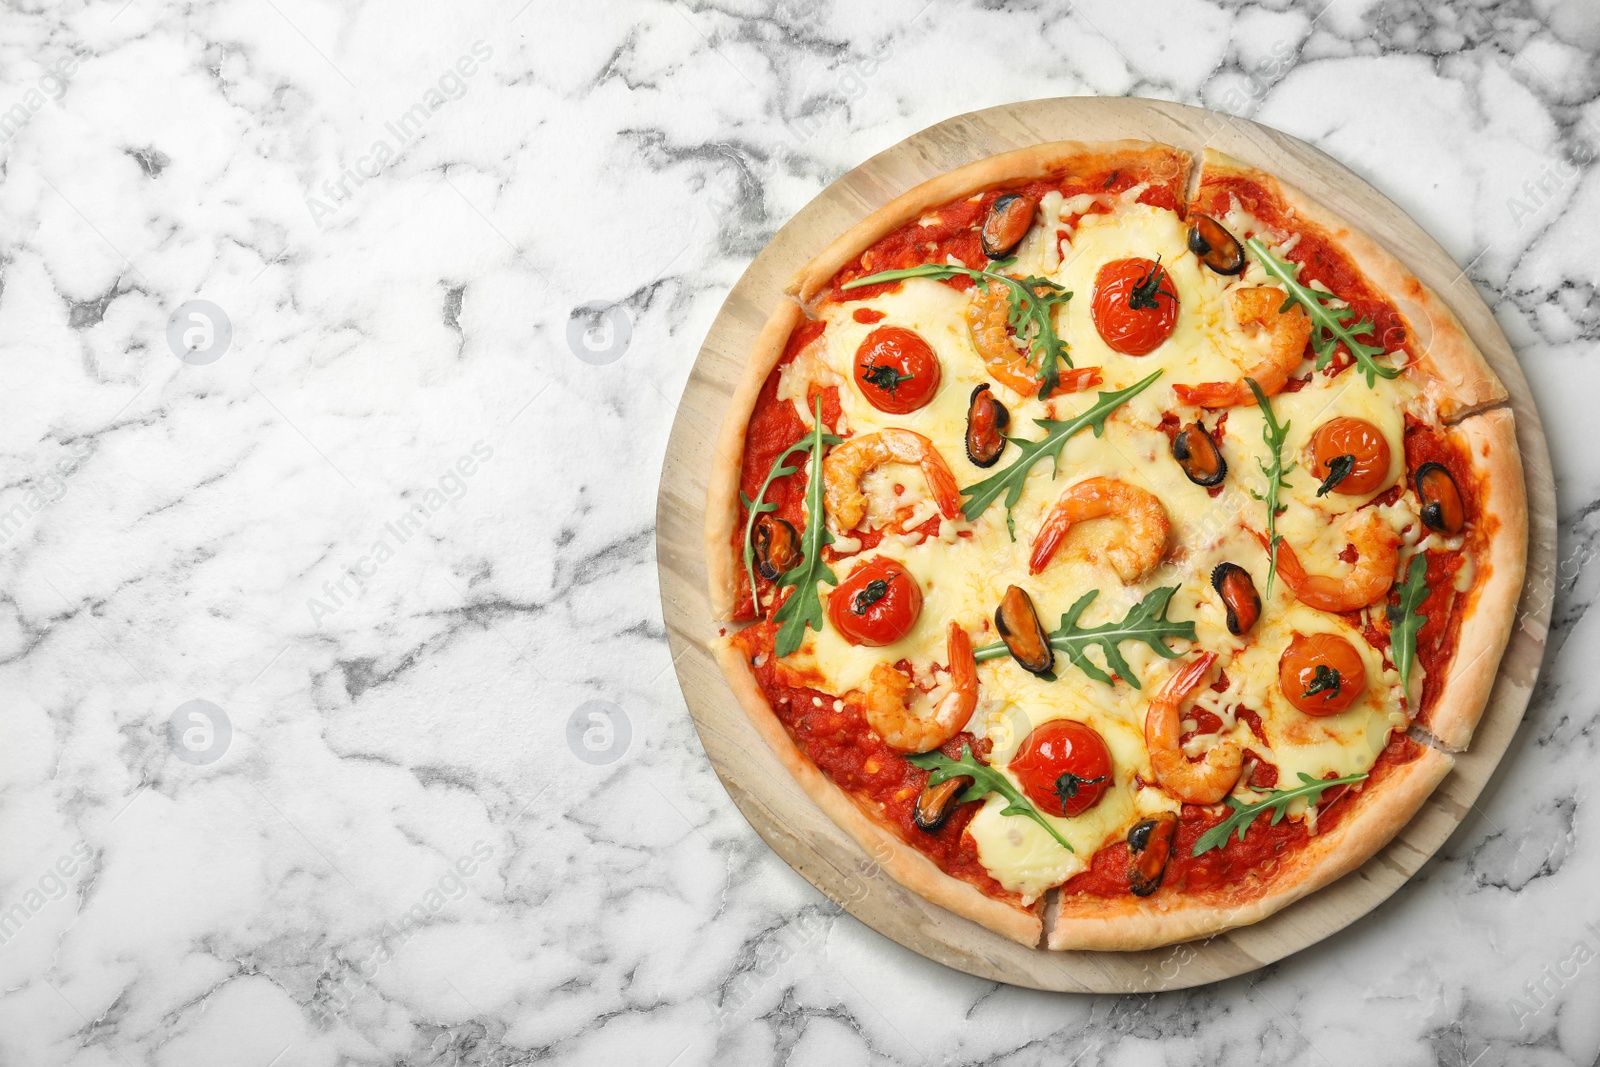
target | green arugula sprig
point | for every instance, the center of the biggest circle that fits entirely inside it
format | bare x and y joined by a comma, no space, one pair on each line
1145,622
1010,479
1274,435
1404,622
804,606
1329,326
985,780
761,506
1032,301
1276,801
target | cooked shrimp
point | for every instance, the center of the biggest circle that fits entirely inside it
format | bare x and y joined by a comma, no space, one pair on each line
989,323
884,702
1207,781
1258,307
1369,578
845,465
1133,556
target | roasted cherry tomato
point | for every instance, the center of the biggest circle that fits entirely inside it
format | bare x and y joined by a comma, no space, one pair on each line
877,605
1321,674
896,370
1349,456
1135,305
1064,767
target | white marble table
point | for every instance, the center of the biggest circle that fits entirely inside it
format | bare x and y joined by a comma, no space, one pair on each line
389,520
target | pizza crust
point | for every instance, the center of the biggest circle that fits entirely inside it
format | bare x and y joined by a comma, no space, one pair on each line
1490,612
1154,162
903,863
1130,923
722,490
1453,374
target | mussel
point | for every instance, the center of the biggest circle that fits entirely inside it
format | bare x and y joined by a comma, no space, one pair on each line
936,802
1238,592
777,546
1215,246
987,420
1022,632
1149,849
1442,508
1007,224
1197,453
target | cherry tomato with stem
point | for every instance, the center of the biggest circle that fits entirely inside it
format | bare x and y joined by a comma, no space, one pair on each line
1135,305
1321,674
896,370
877,604
1064,767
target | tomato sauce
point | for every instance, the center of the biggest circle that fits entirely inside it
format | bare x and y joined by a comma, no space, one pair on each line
1320,260
1255,859
1438,636
774,426
952,231
879,779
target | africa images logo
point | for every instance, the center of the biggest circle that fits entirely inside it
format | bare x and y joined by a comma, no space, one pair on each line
401,132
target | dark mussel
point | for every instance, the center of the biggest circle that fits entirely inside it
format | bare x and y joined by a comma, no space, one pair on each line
777,547
1214,245
1197,453
1149,849
936,802
987,420
1007,224
1443,510
1022,632
1238,592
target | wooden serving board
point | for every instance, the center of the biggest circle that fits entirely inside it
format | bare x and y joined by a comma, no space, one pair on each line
771,800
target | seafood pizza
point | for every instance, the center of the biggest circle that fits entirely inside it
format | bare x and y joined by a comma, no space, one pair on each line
1114,542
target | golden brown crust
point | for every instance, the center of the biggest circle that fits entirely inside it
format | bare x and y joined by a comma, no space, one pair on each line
1490,610
722,491
1449,368
1129,923
1155,161
903,863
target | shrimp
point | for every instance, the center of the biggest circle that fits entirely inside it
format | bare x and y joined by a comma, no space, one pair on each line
845,465
1378,556
1133,556
884,700
989,323
1259,307
1207,781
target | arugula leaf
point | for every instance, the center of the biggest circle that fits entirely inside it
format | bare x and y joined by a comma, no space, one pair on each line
1145,622
1274,435
1011,478
985,780
804,607
1277,801
760,505
1032,302
1329,326
1404,622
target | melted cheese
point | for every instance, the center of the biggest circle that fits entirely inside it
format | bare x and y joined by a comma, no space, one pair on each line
964,571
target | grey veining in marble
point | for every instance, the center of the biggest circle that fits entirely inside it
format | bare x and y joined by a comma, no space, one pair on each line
340,726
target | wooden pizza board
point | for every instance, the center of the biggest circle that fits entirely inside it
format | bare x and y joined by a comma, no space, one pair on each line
771,800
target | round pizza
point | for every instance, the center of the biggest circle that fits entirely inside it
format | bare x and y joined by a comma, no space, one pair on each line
1114,542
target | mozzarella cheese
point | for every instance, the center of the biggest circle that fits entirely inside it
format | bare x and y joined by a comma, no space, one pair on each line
964,571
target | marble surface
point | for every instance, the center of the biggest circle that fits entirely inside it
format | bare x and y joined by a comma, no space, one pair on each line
340,722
